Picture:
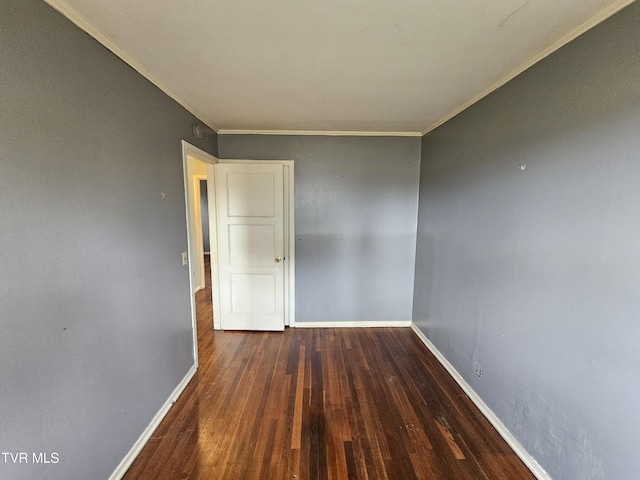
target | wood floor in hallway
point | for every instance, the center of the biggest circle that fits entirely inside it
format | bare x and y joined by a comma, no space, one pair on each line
317,404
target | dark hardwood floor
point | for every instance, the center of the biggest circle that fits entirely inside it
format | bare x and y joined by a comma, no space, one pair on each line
317,404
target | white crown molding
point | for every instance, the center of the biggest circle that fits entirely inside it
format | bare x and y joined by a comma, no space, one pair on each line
113,46
84,24
326,133
572,35
504,432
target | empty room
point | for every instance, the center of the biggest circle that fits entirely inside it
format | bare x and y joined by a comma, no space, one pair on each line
335,240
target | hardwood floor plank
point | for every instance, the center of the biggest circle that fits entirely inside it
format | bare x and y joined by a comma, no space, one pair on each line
352,470
297,416
317,404
317,427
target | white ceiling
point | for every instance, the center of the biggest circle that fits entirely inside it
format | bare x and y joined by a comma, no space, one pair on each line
367,66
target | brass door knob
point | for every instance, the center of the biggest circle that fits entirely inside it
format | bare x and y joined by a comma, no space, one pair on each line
278,259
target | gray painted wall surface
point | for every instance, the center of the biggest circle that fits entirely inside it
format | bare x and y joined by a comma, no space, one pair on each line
204,213
356,218
95,327
528,258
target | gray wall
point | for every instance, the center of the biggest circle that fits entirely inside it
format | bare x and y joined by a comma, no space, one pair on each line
95,327
356,208
528,258
204,210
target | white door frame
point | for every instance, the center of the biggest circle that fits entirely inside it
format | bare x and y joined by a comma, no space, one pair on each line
289,235
191,152
213,244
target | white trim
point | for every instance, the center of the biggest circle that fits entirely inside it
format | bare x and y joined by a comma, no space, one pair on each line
504,432
288,163
291,245
186,173
599,17
112,45
325,133
355,324
80,21
188,152
126,462
290,205
213,246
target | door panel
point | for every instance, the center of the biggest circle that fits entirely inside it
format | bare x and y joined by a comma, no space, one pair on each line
251,245
250,194
253,294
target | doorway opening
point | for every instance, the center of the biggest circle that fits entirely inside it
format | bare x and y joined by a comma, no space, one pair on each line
197,165
200,167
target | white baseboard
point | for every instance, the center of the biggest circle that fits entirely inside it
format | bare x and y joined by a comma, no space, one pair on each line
146,435
504,432
352,324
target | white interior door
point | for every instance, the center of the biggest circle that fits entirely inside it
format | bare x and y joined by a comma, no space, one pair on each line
250,218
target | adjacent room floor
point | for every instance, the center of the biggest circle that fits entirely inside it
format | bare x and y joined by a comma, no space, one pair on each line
316,404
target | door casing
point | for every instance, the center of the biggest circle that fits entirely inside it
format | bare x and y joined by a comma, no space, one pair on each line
191,151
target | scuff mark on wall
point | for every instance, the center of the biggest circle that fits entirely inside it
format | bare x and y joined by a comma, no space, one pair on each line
550,434
587,455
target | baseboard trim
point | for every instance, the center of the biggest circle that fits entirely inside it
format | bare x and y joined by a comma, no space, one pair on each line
352,324
504,432
146,435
